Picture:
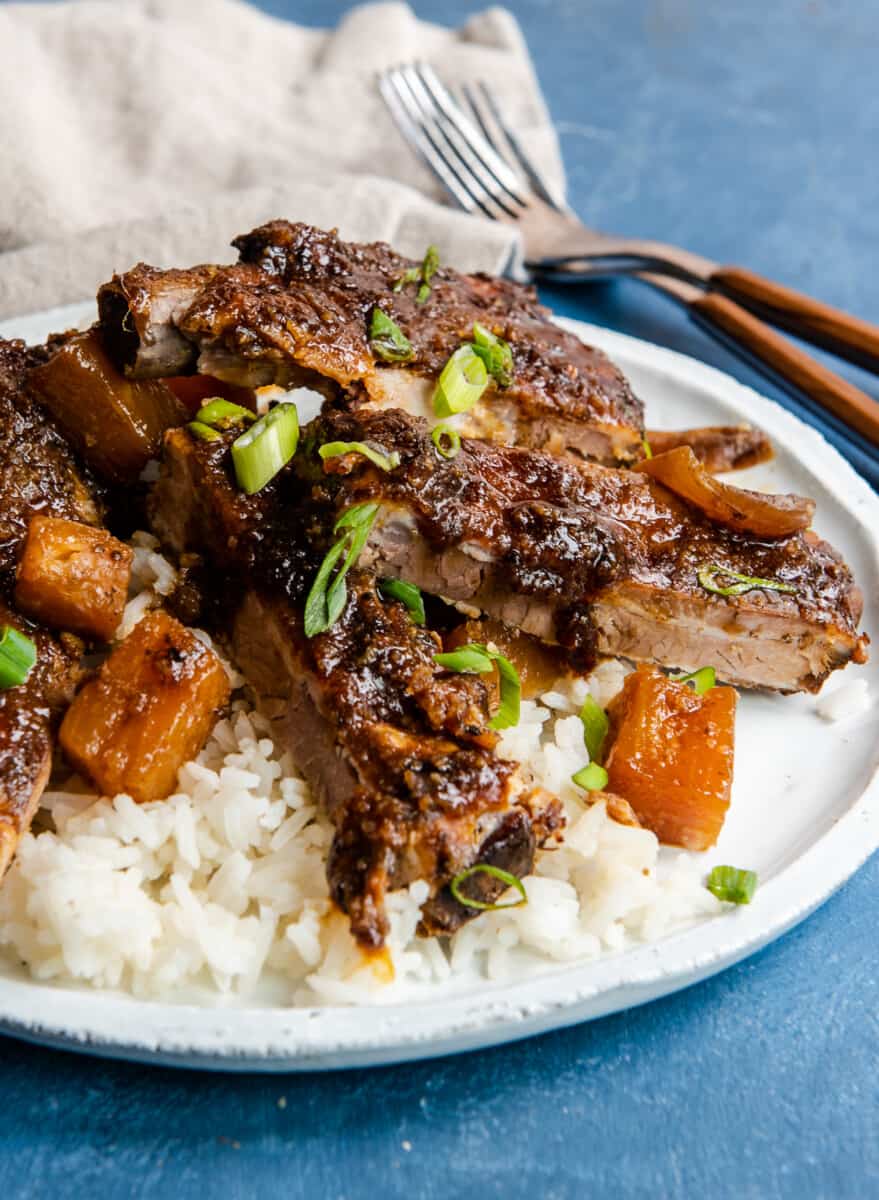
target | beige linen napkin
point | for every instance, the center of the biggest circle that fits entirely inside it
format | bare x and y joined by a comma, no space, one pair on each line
159,129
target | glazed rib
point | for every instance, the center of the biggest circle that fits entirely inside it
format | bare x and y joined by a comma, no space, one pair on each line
38,475
399,752
295,311
602,561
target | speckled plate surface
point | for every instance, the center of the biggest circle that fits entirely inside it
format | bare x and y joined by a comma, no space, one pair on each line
805,815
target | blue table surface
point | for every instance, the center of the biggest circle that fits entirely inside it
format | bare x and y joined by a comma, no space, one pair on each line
746,130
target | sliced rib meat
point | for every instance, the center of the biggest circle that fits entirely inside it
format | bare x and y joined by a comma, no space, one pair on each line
602,561
296,310
397,750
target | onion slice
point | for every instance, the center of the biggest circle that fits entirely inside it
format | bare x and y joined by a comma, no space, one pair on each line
759,513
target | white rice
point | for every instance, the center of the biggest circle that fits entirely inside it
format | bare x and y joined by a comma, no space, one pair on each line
218,894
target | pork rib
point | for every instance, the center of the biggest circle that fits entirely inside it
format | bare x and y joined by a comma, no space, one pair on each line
38,475
296,311
399,753
603,561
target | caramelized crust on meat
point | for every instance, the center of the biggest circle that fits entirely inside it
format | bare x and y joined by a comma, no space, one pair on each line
601,560
28,715
39,475
296,310
38,471
399,751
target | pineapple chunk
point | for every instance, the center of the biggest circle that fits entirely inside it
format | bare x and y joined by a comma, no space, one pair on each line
74,577
672,756
115,423
148,711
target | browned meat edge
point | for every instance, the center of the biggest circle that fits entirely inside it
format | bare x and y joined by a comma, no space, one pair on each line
601,560
38,474
296,310
398,751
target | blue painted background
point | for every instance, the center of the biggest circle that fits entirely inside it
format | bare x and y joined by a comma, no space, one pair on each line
746,129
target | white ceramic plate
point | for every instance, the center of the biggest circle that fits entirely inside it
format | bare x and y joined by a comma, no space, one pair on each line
805,815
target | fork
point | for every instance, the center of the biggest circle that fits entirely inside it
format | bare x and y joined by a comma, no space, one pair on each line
481,163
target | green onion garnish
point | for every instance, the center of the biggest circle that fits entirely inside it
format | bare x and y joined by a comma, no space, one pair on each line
410,275
463,380
326,599
387,462
648,453
595,727
387,339
708,573
467,660
446,440
223,414
267,446
429,268
424,274
507,715
204,433
406,593
506,877
592,778
495,353
475,659
17,657
732,884
703,680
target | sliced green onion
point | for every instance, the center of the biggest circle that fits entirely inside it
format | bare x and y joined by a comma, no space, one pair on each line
463,380
468,660
356,516
595,727
648,453
326,599
506,877
592,778
703,680
316,616
387,339
410,275
429,268
708,573
424,274
446,440
406,593
507,715
204,433
732,884
17,657
387,462
495,353
223,414
475,659
267,446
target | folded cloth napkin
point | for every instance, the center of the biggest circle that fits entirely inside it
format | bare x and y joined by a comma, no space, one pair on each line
157,130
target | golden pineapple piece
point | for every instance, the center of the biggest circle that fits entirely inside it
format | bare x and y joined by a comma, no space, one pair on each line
148,711
672,756
115,423
73,577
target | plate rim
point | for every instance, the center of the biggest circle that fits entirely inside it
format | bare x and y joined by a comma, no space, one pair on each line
329,1037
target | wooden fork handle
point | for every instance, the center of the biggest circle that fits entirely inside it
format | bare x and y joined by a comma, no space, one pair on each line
831,391
844,335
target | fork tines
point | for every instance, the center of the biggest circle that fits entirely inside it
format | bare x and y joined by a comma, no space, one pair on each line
473,156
